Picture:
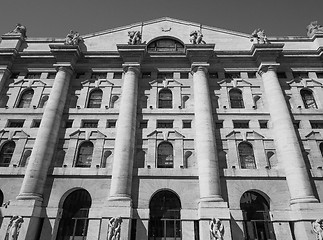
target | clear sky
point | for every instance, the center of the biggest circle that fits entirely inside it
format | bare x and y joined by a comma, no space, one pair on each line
55,18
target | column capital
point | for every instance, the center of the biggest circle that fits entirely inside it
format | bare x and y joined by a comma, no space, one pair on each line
65,68
132,53
196,66
135,67
265,67
66,55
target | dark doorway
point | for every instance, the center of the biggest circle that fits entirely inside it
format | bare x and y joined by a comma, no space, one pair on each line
257,224
74,222
164,219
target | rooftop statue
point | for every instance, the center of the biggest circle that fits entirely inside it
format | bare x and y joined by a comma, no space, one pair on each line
216,229
317,227
114,228
19,29
314,28
134,37
14,228
259,36
73,38
196,37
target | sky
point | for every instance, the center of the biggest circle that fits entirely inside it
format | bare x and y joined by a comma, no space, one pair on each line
55,18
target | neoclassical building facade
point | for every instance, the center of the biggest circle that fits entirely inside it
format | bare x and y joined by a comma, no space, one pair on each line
161,130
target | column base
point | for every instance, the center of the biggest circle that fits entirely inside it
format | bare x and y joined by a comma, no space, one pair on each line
310,199
30,196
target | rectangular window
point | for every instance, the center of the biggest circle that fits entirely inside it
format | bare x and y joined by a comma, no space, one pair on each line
252,75
296,124
146,75
164,123
232,75
241,124
143,124
263,123
184,75
80,75
90,123
36,123
319,74
99,75
15,123
111,123
68,123
51,75
213,75
14,75
281,75
317,124
163,75
187,123
35,75
117,75
218,124
300,74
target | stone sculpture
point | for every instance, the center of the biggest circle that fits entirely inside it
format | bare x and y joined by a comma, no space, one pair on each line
196,37
314,28
317,227
114,228
19,29
134,37
73,38
259,36
14,228
216,229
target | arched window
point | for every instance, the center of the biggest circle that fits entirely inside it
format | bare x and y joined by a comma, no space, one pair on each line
144,101
59,161
74,222
164,216
25,99
165,99
1,198
25,158
95,99
308,98
106,156
6,153
236,99
185,100
165,45
247,159
114,101
321,148
258,102
272,159
188,160
73,101
84,156
43,101
165,155
140,158
255,210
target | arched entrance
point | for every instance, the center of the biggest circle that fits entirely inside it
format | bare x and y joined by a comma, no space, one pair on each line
164,217
255,210
74,222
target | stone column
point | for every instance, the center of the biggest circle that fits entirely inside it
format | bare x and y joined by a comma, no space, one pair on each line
286,140
209,179
125,137
42,153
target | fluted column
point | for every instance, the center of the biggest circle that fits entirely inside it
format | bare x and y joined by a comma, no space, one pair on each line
286,140
125,137
42,153
209,179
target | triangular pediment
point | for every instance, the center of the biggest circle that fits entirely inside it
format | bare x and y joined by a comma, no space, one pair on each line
166,27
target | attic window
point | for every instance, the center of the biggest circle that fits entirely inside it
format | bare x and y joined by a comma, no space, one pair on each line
166,45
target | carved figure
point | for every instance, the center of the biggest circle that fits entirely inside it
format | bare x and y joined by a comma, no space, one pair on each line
73,38
216,229
14,228
317,227
134,37
114,228
19,29
260,36
196,37
314,28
